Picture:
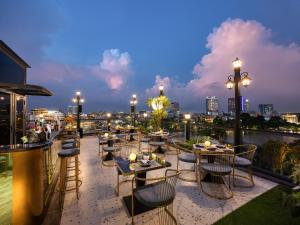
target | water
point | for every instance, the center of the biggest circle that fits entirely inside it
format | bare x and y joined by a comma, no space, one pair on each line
259,138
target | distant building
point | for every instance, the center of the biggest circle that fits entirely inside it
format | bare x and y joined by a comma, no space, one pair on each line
290,118
72,110
266,110
212,105
174,109
245,105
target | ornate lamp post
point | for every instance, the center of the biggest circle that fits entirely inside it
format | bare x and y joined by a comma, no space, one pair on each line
133,103
79,100
108,120
235,81
161,90
187,118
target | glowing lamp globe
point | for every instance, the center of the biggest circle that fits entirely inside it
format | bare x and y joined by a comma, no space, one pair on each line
132,157
237,63
246,81
207,143
229,84
156,104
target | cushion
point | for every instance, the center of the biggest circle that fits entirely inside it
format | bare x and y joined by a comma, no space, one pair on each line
218,169
156,194
111,149
69,152
240,161
187,157
68,146
68,141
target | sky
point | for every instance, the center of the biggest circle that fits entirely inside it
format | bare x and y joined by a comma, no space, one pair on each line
112,49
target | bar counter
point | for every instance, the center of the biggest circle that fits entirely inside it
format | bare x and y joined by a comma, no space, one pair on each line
28,175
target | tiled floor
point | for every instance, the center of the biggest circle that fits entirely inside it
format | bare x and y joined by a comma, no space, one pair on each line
98,203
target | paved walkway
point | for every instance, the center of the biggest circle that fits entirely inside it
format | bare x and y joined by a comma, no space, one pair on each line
98,203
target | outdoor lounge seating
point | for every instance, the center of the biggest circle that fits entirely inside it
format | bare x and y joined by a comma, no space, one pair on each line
243,159
160,194
186,156
214,167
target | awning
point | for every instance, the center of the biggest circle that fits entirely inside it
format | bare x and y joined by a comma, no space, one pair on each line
26,89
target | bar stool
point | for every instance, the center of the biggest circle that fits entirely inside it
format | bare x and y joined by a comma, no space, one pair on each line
64,155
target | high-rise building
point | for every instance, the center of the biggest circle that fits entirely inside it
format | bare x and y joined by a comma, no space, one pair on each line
212,105
72,110
266,110
174,110
245,105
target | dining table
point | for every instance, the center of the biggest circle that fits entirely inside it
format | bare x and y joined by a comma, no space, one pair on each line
110,143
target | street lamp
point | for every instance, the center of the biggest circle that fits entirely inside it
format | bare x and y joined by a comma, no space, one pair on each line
79,100
161,90
235,81
108,120
187,118
133,103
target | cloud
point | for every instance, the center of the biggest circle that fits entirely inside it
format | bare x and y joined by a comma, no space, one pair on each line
274,68
114,69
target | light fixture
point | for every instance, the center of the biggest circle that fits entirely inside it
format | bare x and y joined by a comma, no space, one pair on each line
134,96
74,100
237,63
132,157
82,100
156,104
246,80
108,115
207,143
187,116
229,83
161,87
78,93
145,115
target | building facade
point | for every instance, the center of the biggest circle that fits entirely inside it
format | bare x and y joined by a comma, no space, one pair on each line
266,110
212,105
245,105
13,91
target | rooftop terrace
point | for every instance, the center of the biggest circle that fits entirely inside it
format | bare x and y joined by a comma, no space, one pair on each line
98,203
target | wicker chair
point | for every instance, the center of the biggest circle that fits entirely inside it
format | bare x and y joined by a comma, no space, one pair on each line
243,159
186,156
214,167
159,194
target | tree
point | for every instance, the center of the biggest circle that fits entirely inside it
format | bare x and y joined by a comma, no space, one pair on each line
159,104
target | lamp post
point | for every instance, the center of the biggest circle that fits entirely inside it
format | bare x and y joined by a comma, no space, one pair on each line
235,81
79,100
133,103
187,118
161,90
145,115
108,120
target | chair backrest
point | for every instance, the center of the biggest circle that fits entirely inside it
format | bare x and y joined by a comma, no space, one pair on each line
246,151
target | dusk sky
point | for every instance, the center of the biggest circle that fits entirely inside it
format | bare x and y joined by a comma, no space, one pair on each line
111,49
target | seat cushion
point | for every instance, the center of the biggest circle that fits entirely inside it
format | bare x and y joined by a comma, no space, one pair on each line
187,157
68,141
156,194
239,161
68,146
217,169
111,149
69,152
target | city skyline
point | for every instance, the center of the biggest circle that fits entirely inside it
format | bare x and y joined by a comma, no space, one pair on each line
183,46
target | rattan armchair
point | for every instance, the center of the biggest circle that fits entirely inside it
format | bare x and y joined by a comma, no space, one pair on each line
159,194
243,159
214,167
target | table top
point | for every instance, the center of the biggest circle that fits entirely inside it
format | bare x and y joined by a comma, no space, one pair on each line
215,148
156,143
128,168
159,134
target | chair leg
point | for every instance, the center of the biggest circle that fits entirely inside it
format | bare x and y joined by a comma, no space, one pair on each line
76,174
